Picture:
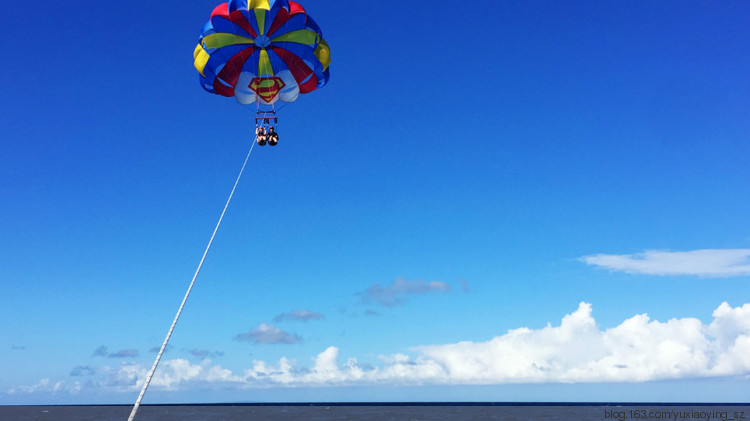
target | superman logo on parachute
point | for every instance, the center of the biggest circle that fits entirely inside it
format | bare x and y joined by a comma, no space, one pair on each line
267,87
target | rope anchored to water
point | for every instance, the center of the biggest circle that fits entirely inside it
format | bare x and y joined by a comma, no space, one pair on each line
190,288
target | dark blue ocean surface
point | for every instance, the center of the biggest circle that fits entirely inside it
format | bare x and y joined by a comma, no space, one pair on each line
383,412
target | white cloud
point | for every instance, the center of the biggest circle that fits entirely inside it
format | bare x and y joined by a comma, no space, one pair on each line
639,349
326,370
44,385
174,374
710,262
575,351
523,355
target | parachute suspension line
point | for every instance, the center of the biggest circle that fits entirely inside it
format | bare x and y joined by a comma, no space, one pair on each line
192,282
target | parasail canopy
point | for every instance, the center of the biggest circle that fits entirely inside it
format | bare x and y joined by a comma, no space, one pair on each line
262,51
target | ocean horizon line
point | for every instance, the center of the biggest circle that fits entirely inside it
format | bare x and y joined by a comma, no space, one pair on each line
421,403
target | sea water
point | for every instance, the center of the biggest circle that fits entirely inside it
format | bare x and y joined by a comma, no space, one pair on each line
383,412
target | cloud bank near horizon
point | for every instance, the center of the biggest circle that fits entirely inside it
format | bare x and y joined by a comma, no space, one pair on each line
706,262
575,351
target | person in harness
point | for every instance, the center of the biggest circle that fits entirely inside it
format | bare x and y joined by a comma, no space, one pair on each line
261,136
272,136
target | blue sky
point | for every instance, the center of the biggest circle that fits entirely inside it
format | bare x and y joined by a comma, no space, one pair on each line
513,201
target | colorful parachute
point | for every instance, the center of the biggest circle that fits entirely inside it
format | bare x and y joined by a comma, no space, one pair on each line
261,51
